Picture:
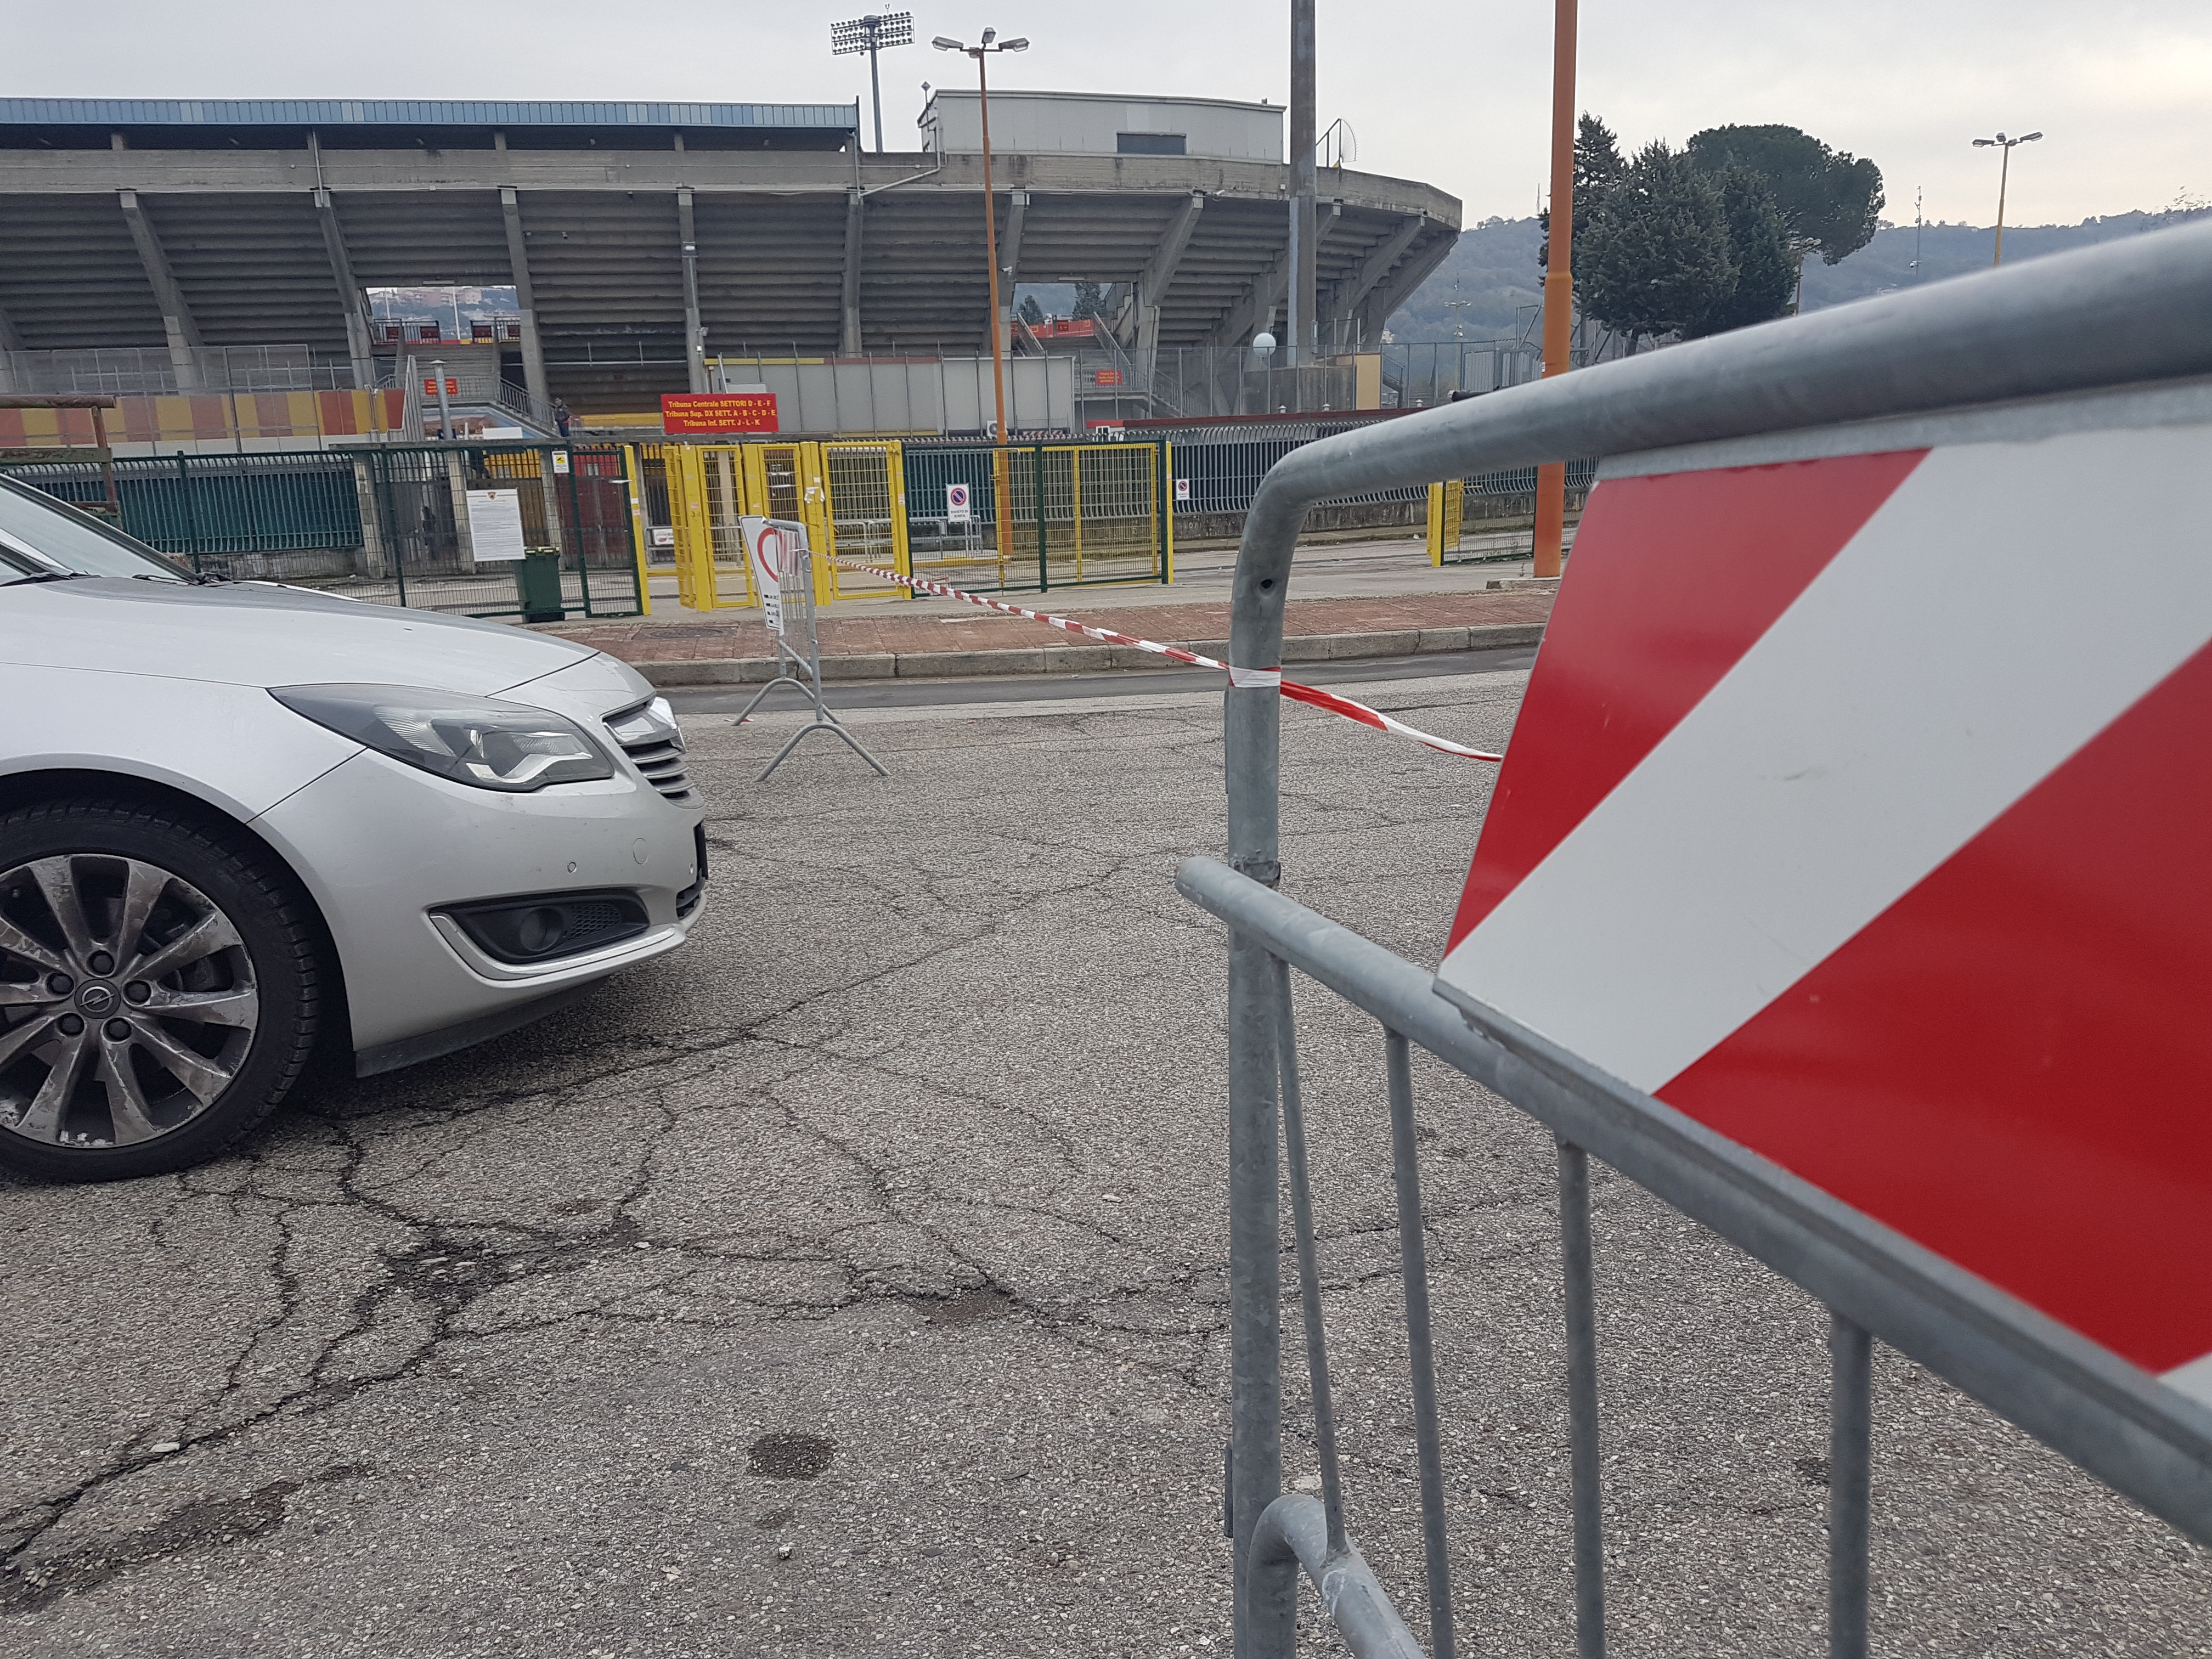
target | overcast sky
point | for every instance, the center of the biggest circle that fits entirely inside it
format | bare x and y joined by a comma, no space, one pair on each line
1455,94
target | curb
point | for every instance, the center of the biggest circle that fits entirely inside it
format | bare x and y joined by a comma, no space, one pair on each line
1087,658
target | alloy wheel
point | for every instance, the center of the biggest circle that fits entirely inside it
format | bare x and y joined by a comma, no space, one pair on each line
128,1001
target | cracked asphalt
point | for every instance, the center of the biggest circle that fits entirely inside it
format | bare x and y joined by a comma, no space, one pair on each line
851,1282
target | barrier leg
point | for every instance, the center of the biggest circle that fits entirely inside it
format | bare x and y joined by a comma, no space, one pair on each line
1849,1456
1413,1254
1265,1629
1581,1402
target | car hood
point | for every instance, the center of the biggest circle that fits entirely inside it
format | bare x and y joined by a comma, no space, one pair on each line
257,634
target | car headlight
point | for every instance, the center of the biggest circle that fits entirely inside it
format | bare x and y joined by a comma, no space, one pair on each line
479,741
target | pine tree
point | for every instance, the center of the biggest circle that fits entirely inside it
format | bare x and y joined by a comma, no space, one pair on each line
1657,256
1759,247
1831,201
1599,169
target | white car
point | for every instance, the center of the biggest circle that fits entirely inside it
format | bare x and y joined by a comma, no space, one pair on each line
241,821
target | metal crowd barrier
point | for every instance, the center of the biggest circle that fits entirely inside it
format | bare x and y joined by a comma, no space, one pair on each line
2128,312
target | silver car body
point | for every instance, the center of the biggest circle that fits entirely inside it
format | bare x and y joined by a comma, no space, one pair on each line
168,684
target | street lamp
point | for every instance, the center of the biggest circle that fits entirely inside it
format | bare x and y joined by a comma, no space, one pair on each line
2006,145
943,43
872,34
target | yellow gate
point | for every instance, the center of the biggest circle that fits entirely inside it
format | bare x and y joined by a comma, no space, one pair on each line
1447,509
850,496
865,514
706,497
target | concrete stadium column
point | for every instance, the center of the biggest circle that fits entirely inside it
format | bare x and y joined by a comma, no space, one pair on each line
349,294
1010,263
184,334
457,488
1392,290
848,331
11,339
549,488
1254,309
1159,272
1344,301
518,260
375,556
694,346
1298,341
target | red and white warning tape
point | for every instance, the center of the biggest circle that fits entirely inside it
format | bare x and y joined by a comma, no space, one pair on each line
1350,709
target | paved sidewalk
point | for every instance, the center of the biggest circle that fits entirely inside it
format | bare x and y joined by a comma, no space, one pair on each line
1369,601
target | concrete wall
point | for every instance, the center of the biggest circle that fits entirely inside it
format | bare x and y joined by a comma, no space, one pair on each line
1089,124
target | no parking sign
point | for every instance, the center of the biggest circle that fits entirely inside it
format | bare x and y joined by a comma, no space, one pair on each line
778,546
956,503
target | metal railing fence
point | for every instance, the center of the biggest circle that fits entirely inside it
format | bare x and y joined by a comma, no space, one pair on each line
1423,373
2134,311
201,507
1039,516
167,371
1491,504
574,502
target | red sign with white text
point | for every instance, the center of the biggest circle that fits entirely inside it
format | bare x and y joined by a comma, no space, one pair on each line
718,411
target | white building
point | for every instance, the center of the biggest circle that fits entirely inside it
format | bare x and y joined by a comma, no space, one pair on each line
1102,124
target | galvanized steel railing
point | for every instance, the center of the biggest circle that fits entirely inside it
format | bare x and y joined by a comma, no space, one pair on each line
2137,311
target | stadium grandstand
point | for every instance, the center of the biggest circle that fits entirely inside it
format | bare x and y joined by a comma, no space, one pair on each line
643,240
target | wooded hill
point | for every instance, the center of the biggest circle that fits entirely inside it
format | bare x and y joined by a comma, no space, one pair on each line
1494,268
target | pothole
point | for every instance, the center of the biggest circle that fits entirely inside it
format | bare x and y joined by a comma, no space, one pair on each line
979,1306
789,1456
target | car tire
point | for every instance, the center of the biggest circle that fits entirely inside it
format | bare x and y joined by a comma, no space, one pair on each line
161,986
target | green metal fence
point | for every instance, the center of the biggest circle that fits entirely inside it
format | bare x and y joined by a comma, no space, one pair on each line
1077,515
203,507
397,515
575,500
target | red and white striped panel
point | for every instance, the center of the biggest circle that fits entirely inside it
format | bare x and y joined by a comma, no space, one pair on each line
1861,808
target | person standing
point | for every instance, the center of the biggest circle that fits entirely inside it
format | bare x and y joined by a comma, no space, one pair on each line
561,415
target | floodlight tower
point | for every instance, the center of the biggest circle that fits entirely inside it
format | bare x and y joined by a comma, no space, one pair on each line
872,34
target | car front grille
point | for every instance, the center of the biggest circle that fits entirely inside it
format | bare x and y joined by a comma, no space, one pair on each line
662,762
654,744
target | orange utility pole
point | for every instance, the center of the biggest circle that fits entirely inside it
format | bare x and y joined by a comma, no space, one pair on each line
1558,280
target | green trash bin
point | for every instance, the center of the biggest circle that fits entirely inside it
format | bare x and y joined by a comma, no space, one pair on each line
538,580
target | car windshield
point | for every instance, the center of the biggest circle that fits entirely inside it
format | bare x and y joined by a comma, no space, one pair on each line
40,537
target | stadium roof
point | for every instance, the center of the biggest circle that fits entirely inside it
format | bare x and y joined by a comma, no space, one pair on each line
110,112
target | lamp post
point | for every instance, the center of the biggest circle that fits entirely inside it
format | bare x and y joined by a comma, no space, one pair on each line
1458,308
872,34
979,52
1263,347
2004,169
1558,282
